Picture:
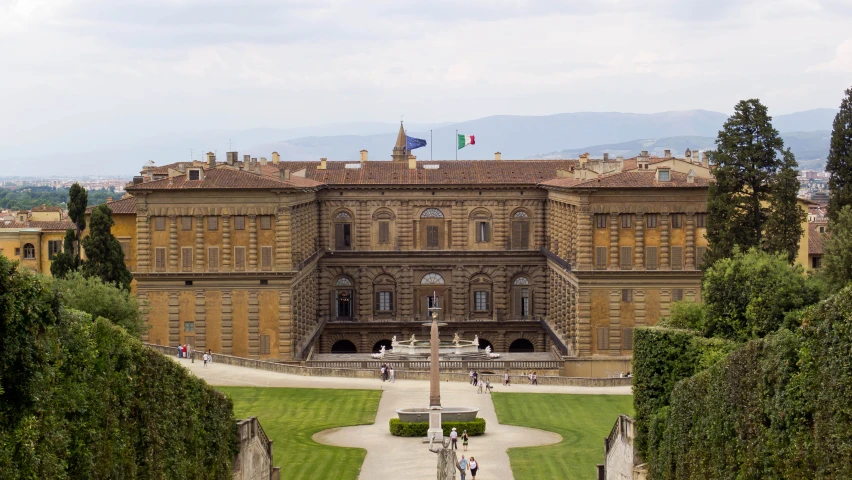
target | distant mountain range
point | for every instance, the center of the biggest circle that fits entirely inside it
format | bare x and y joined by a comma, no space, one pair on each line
515,136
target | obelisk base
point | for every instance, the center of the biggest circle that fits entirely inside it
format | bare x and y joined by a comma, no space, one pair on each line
435,424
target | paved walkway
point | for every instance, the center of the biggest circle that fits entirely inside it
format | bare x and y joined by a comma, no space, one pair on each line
395,457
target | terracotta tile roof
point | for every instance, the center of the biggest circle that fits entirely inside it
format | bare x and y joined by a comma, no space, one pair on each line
630,163
224,178
816,240
632,179
125,206
45,208
49,226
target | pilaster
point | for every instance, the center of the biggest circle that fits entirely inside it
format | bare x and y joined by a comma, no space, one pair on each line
199,245
200,321
252,253
614,264
584,238
174,319
639,240
283,233
173,244
615,322
664,241
143,240
253,324
226,244
584,322
639,318
285,325
227,323
690,241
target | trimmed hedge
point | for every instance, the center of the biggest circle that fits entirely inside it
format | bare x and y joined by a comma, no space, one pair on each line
420,429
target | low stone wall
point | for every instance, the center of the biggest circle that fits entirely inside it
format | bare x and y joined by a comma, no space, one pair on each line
496,379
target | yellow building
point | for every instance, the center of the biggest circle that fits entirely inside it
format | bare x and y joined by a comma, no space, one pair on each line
33,243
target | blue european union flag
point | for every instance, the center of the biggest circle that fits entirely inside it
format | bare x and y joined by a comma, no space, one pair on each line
411,143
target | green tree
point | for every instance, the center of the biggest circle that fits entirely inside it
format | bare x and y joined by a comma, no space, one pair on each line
77,203
837,268
100,299
65,261
839,162
746,163
104,257
784,225
752,294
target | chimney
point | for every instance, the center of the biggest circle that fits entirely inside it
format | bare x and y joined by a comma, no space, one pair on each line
668,153
705,159
286,174
690,177
109,199
412,163
584,158
688,154
606,156
138,179
262,161
275,158
231,158
247,159
323,164
211,160
498,156
643,161
363,156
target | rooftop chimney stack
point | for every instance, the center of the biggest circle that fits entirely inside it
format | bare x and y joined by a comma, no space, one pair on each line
584,158
276,158
668,153
705,159
412,163
363,156
211,159
606,156
323,164
286,174
231,158
643,161
109,199
262,161
498,156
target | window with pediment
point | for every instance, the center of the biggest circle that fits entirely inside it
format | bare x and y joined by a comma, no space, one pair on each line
521,297
520,230
343,230
432,213
432,279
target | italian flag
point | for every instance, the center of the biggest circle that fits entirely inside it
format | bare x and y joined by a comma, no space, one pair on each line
465,140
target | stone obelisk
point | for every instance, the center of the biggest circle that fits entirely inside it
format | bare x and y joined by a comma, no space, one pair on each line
435,430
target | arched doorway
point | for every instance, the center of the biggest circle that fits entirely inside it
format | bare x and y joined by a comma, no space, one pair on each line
521,345
343,346
378,346
343,298
483,344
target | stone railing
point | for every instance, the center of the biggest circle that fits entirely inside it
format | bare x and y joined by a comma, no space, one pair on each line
545,376
254,460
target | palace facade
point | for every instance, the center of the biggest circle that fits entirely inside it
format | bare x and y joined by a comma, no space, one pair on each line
277,259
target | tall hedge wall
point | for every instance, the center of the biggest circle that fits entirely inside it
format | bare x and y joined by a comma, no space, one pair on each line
93,402
777,407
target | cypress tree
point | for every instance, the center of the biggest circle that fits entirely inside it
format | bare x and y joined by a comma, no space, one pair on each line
77,203
746,163
784,225
65,261
104,257
839,163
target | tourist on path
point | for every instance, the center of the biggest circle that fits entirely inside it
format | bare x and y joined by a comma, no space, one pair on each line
488,386
463,467
392,375
210,356
534,379
473,467
505,381
475,376
189,352
382,373
454,438
206,359
465,438
480,385
529,377
471,378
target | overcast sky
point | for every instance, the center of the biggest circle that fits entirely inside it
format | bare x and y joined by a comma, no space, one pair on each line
117,69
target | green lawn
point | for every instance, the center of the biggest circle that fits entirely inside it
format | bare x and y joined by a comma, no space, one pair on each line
582,420
289,416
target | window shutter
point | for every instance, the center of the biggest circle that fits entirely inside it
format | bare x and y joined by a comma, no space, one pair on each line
384,232
677,258
240,259
600,257
239,222
651,220
626,258
525,235
431,236
677,294
627,338
479,232
378,301
266,258
212,223
699,255
266,222
600,220
264,345
160,258
159,223
339,241
626,295
125,248
677,220
213,259
650,258
186,259
186,223
518,302
603,338
626,221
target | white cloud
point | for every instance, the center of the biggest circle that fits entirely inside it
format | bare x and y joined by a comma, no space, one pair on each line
842,61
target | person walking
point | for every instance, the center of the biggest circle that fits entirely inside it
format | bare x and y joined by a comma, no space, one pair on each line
475,376
465,438
206,359
471,378
454,439
480,385
463,467
392,375
210,356
505,380
534,379
529,378
474,467
382,372
189,351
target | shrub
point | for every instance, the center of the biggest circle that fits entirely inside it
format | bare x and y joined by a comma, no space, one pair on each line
420,429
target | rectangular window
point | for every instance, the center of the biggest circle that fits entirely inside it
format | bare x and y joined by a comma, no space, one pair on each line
626,221
265,222
212,223
342,236
521,235
185,223
627,338
677,220
664,175
266,259
55,246
213,259
482,232
480,301
701,220
194,175
17,252
240,259
384,232
600,257
603,338
650,258
816,262
431,236
160,224
699,255
384,301
264,345
677,258
239,222
160,259
627,295
125,248
651,220
600,220
626,258
677,294
186,259
188,326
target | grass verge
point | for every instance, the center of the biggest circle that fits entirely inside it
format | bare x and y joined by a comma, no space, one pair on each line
289,416
582,420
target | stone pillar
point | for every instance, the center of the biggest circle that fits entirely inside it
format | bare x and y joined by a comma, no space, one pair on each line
405,226
690,242
460,299
143,240
283,259
405,287
500,288
252,251
174,319
448,230
253,324
200,321
227,323
363,226
365,295
460,226
664,241
639,251
501,226
173,244
415,233
614,264
639,307
539,226
199,244
285,326
584,322
615,322
584,238
226,244
665,303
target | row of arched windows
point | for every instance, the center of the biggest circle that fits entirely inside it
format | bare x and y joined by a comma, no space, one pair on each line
431,278
520,345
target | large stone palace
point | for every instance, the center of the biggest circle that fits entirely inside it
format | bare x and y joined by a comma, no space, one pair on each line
274,259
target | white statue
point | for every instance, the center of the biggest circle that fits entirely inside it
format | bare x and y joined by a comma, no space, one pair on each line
393,341
382,351
412,339
456,338
476,340
488,349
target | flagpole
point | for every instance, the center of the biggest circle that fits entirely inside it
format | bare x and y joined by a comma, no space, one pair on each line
457,144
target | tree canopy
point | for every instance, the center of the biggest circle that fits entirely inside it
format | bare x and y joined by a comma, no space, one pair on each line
839,161
101,299
104,256
837,262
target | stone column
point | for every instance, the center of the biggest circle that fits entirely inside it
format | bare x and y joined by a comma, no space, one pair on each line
283,259
639,308
285,325
690,242
226,244
664,241
539,227
227,323
173,244
584,322
584,238
500,287
405,226
253,324
415,233
501,226
199,244
460,226
365,295
363,226
639,251
614,264
142,297
174,319
252,253
143,240
200,321
615,322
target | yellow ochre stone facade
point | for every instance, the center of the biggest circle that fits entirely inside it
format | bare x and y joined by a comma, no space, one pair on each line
273,259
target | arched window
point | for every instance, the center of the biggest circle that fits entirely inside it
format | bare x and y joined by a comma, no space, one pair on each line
521,281
343,282
520,230
480,294
521,297
432,279
343,298
29,251
382,219
343,230
432,213
384,286
481,219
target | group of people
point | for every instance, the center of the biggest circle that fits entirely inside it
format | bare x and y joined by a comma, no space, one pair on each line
464,464
185,351
533,378
476,381
387,373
